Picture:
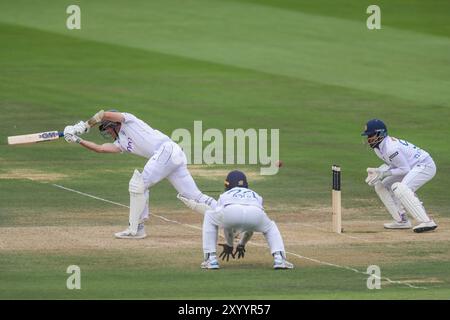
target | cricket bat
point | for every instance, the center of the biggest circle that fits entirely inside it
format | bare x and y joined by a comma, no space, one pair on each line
50,135
35,137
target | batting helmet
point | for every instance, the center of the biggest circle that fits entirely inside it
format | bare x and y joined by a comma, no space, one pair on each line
105,124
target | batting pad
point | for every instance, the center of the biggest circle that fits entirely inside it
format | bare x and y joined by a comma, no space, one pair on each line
138,200
409,200
388,201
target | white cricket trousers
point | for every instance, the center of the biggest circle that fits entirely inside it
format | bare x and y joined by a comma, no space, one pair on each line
240,218
415,178
170,162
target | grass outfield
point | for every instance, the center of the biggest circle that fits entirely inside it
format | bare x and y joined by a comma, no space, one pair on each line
309,68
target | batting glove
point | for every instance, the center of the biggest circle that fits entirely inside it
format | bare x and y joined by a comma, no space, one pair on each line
69,130
71,138
80,128
240,251
227,252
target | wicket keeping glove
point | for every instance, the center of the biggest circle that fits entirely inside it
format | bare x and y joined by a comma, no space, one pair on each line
227,251
240,251
376,174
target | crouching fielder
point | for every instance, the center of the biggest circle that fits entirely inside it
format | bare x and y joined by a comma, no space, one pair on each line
240,209
406,168
165,160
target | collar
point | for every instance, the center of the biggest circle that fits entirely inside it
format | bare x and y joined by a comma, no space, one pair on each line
382,143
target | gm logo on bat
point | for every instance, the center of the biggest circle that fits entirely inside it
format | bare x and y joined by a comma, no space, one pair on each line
47,135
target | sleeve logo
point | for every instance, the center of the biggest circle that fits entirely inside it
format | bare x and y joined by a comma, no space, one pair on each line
392,156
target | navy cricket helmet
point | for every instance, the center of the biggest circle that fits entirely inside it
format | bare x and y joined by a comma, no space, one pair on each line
235,179
375,131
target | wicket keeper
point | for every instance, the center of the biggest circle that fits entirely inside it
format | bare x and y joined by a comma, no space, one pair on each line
406,168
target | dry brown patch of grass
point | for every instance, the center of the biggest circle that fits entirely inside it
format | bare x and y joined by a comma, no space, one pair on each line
54,238
31,174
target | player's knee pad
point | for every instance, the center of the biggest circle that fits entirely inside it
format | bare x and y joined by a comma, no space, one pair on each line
400,189
136,184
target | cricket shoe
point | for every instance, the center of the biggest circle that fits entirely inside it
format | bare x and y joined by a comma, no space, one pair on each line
398,225
126,234
280,262
210,263
425,226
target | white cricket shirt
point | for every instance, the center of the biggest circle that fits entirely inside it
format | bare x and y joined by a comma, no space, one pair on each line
401,155
139,138
242,196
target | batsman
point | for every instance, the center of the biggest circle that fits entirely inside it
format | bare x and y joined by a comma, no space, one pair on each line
165,159
406,168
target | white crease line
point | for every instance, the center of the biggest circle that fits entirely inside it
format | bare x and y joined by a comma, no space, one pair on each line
251,242
344,267
91,196
122,205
